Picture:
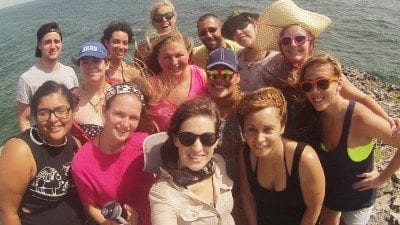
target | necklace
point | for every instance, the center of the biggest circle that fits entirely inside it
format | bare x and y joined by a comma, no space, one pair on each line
94,105
42,141
115,69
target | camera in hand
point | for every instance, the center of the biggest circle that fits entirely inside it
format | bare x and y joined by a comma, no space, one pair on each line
112,210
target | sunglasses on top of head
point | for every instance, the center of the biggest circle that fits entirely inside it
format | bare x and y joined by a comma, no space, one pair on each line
210,30
206,139
227,74
160,17
298,39
321,83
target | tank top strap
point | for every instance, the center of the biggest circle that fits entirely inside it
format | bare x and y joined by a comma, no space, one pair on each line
294,175
346,125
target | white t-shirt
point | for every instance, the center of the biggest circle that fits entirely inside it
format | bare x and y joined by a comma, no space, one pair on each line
32,79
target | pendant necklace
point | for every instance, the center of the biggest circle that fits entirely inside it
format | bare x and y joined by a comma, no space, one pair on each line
94,105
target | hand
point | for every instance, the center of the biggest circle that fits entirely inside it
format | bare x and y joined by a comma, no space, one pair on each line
133,215
395,125
371,180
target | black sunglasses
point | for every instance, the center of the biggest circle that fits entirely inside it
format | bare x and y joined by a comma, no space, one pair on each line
210,30
206,139
322,83
159,17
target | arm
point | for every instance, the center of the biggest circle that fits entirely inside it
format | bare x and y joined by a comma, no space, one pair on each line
349,91
312,183
248,202
368,124
162,211
24,113
17,167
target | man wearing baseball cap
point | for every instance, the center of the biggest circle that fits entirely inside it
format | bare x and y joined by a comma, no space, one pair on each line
48,49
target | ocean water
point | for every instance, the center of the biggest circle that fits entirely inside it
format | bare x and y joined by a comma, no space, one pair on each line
364,34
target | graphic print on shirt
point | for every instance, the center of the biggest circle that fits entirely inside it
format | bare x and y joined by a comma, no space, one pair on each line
52,183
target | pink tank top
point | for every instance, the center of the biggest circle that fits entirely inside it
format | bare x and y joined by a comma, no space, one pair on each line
163,109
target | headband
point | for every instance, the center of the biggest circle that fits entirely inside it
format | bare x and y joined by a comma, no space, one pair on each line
124,89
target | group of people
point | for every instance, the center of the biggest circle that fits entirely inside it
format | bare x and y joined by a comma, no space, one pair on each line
251,127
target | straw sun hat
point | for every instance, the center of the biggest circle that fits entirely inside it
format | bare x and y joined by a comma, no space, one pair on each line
281,14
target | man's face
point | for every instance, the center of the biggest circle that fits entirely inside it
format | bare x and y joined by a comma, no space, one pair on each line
209,32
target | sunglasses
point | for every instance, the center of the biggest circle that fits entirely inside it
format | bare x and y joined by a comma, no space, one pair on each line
206,139
160,17
298,40
240,25
321,83
225,73
210,30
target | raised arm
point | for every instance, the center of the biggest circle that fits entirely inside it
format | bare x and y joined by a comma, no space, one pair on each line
17,167
312,183
351,92
247,198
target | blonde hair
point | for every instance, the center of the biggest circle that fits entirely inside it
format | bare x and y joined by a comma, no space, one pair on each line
261,99
154,8
321,59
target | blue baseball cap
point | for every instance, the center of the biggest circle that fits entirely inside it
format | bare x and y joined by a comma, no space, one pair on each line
93,49
223,57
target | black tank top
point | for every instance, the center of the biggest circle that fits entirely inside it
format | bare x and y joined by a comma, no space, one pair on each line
284,207
51,195
340,174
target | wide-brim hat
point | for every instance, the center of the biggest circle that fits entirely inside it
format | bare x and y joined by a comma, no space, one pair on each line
281,14
152,151
229,27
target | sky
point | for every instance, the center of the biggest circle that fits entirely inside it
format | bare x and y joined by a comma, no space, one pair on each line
7,3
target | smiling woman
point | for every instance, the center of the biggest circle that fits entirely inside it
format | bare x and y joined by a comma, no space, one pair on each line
40,189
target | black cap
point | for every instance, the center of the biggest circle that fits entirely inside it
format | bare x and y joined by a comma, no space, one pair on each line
229,27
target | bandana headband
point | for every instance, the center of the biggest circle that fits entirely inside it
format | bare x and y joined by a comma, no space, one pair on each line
124,89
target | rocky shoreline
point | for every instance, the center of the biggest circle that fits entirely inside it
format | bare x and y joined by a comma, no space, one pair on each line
387,206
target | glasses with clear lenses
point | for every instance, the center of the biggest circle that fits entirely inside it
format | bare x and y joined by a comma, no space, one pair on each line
225,73
206,139
298,40
160,17
210,30
61,112
321,83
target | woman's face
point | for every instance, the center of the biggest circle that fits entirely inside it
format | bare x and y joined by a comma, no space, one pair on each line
118,45
263,131
54,118
93,69
222,82
173,58
319,97
122,117
296,53
197,155
164,19
246,37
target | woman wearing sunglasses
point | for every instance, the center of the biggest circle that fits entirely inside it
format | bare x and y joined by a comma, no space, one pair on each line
116,38
223,87
347,130
109,167
193,187
162,20
242,27
281,180
287,28
35,182
175,80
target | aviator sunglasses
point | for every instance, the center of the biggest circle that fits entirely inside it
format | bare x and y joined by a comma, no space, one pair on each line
298,40
206,139
321,83
225,73
159,17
